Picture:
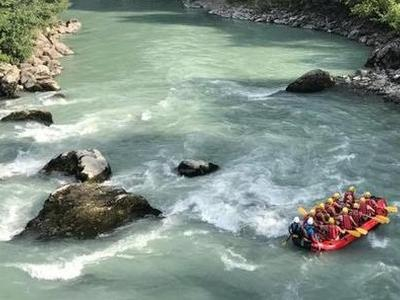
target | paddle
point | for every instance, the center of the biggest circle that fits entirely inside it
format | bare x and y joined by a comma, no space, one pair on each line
302,211
362,230
382,219
354,233
284,243
391,209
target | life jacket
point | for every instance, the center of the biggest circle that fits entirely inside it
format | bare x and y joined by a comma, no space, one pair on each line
333,232
380,207
348,201
356,215
295,229
320,216
346,222
310,230
331,210
363,208
371,202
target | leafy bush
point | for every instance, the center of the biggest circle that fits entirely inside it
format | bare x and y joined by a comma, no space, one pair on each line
383,11
19,22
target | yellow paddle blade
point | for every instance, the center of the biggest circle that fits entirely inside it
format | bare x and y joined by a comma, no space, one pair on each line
302,211
354,233
362,231
392,209
384,219
380,221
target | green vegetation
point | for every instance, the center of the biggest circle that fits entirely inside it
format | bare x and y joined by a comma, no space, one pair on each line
19,22
382,11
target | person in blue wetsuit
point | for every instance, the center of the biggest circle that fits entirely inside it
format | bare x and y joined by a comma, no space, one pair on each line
309,230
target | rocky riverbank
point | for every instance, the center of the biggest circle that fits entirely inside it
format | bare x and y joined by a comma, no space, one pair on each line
39,71
381,74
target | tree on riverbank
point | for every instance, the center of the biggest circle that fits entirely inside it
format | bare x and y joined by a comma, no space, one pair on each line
19,22
382,11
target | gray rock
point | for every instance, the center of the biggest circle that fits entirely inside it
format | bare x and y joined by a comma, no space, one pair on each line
312,81
192,168
86,165
84,211
9,78
43,117
386,56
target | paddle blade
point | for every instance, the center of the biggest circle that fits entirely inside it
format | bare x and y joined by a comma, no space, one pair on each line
354,233
383,219
391,209
362,231
302,211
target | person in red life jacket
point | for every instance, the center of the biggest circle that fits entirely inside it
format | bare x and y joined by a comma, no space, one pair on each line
330,207
356,215
381,207
349,199
333,230
346,221
351,191
365,209
370,200
337,203
321,216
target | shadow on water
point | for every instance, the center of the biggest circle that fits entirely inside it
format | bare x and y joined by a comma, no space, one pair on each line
240,33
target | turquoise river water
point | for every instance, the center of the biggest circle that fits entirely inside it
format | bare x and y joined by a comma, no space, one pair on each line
152,83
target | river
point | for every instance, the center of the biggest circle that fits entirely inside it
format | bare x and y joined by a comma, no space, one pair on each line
152,83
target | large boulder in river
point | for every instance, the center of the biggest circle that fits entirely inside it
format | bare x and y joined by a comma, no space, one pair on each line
86,210
43,117
86,165
311,82
386,56
192,168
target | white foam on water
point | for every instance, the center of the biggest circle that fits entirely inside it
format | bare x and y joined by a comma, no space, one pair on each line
23,164
195,232
292,291
146,115
234,260
67,269
235,200
44,134
14,212
377,242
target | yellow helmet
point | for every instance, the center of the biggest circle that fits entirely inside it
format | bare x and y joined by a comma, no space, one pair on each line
351,189
367,195
356,205
345,210
331,220
312,211
321,205
336,196
330,200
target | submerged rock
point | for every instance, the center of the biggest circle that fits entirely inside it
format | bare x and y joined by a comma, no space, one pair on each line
192,168
86,165
311,82
43,117
86,210
386,56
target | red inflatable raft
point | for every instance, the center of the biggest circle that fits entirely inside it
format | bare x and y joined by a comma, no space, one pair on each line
333,245
344,241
